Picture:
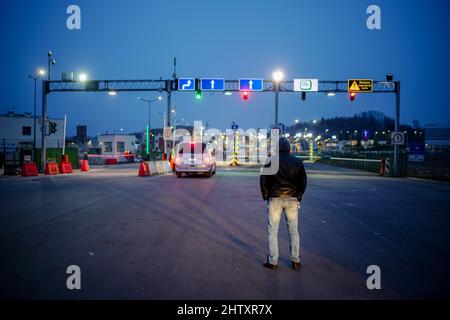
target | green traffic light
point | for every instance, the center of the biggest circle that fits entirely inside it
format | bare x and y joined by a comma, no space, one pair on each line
198,95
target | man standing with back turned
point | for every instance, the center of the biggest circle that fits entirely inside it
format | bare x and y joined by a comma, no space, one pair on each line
283,192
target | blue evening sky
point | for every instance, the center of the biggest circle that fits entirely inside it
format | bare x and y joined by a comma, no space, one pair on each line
137,39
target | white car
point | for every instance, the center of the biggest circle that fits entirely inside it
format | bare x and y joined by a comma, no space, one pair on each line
194,158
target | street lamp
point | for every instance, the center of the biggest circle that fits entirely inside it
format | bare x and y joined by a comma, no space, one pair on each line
51,62
149,101
82,77
277,76
40,73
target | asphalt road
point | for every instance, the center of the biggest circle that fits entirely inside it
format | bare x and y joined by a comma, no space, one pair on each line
161,237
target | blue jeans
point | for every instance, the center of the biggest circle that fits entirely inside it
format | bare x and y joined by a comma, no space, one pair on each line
290,207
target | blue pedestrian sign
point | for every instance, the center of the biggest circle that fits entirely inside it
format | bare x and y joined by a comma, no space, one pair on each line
186,84
366,135
250,84
212,84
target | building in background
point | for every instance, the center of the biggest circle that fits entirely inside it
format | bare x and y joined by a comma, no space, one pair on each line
121,147
16,130
81,137
17,139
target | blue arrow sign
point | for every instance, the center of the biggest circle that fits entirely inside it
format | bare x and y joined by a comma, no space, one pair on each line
250,84
186,84
212,84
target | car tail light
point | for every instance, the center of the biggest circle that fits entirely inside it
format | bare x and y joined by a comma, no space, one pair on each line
207,159
177,160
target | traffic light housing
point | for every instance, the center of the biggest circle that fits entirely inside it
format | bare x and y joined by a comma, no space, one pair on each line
245,95
303,95
52,127
352,96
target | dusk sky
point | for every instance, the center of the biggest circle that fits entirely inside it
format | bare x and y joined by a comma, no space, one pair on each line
138,39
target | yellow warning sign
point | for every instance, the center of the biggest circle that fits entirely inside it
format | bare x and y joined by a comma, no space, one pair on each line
360,85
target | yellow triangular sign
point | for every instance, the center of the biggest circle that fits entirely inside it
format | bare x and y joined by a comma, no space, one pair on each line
354,86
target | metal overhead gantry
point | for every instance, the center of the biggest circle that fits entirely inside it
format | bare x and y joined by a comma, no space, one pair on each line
230,85
169,86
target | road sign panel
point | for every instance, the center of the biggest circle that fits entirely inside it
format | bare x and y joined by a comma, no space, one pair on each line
416,152
186,84
167,133
398,138
212,84
306,85
359,85
251,85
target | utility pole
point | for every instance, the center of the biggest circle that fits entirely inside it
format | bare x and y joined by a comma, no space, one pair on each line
397,127
165,145
149,130
43,120
277,94
64,136
40,73
45,87
34,120
169,84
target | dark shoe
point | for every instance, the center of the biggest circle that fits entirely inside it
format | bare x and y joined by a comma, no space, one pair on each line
270,266
296,265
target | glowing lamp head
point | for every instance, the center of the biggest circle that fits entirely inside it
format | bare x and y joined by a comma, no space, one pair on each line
277,76
82,77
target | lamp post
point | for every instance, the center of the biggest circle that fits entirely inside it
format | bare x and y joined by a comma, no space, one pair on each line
277,76
40,73
51,62
149,101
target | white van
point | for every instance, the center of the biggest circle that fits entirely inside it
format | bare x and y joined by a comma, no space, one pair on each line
194,158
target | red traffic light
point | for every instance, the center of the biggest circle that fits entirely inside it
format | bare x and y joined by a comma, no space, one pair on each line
352,96
245,95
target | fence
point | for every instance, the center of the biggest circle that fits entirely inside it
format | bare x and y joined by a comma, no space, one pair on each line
368,161
14,152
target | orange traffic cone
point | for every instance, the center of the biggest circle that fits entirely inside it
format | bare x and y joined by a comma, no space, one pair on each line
144,169
85,165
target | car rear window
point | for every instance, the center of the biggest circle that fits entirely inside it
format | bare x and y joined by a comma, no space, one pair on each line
191,147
